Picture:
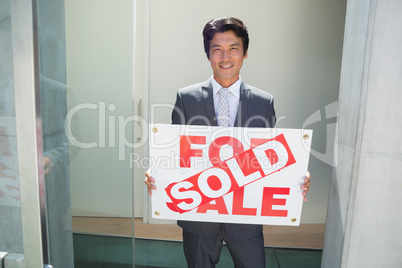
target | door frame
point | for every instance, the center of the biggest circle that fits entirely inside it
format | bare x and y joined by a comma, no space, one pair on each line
29,131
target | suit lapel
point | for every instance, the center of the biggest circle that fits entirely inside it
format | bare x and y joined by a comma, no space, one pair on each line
208,99
243,105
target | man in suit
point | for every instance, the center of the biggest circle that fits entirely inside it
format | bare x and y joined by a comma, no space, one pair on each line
224,100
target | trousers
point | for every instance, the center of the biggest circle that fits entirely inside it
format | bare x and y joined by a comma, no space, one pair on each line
204,252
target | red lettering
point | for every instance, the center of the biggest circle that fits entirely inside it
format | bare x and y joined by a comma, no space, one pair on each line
219,205
272,156
172,207
229,175
216,174
268,201
245,168
216,145
254,142
214,183
189,198
238,201
185,149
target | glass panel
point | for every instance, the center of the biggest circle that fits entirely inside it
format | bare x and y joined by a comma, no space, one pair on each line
11,240
53,98
99,47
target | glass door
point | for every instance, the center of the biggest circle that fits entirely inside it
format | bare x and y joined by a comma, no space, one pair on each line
86,67
70,65
55,144
66,182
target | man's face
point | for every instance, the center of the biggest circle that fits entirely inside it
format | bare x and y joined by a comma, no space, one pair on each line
226,57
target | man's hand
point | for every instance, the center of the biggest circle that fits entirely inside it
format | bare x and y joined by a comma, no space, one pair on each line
306,185
149,181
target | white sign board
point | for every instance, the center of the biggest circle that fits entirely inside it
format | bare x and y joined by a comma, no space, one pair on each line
236,175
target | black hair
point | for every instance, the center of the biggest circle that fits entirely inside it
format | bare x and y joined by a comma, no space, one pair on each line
222,25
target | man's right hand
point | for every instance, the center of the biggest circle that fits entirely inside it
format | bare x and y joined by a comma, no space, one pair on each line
149,181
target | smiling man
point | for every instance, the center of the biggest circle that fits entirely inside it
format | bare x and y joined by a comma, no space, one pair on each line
224,100
226,55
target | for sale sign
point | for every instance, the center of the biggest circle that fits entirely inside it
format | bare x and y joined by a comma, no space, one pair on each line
237,175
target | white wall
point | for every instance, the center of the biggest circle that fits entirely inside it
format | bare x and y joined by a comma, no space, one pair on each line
99,40
295,54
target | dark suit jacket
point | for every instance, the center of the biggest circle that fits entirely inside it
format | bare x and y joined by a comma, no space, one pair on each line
195,106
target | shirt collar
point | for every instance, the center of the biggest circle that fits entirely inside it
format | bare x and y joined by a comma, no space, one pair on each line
234,88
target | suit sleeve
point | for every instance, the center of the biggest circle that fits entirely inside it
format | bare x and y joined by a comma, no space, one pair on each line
178,116
271,116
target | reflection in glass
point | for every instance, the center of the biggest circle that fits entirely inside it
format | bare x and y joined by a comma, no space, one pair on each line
10,205
53,99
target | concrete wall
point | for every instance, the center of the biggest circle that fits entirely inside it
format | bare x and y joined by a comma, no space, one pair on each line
363,224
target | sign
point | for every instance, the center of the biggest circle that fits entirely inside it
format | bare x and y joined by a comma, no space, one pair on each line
237,175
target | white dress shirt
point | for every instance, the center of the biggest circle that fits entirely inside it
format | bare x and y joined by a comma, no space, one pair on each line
233,98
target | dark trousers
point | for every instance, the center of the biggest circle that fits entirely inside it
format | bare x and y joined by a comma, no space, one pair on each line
204,252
